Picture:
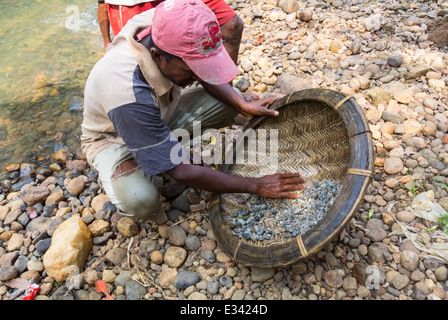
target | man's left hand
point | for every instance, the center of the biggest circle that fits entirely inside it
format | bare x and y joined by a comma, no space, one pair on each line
259,108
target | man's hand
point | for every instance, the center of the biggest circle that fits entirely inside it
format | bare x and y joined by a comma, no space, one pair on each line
280,185
247,105
258,107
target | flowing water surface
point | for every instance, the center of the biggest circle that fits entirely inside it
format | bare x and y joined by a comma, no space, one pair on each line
47,49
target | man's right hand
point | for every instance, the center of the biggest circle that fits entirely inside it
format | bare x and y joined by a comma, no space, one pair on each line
280,185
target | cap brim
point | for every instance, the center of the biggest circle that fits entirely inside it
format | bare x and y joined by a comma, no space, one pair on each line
215,69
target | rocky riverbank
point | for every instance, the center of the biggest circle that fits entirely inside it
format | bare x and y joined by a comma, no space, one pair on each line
382,53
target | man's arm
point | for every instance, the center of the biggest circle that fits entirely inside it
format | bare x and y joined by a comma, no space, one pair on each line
103,21
270,186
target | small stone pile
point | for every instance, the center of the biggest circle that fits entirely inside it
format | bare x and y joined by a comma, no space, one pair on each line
281,219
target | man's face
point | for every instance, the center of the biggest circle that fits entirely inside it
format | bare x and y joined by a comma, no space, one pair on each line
175,70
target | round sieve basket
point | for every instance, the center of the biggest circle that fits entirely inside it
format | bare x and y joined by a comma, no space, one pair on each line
323,135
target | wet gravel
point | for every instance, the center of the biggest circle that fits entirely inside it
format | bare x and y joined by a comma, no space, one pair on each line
274,219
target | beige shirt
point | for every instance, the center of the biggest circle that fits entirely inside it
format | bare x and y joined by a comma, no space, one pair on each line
110,85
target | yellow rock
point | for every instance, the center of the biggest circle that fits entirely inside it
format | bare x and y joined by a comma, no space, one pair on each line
63,211
87,211
61,155
70,247
12,167
98,227
99,201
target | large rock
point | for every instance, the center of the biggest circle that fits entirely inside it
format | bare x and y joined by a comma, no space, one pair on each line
393,165
288,83
70,246
378,96
289,6
35,194
261,274
417,70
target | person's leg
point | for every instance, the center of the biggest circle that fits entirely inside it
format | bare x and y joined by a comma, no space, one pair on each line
133,193
115,20
103,21
198,105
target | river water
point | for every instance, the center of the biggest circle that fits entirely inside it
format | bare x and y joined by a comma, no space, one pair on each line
48,48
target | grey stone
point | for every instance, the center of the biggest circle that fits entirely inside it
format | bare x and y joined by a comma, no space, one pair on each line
242,85
261,274
134,290
21,264
181,202
43,245
208,255
81,294
226,281
400,281
123,277
54,224
239,294
8,273
185,278
192,242
421,290
40,224
392,117
379,252
116,255
394,60
409,260
213,286
177,235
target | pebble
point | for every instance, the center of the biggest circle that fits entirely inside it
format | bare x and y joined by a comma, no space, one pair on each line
184,279
127,227
393,165
192,242
175,256
134,290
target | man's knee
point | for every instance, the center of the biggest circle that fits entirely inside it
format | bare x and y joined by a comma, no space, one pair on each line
138,196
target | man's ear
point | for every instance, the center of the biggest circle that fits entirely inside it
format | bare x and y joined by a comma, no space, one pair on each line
155,55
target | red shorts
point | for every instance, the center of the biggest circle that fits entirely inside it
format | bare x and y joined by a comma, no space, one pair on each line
119,15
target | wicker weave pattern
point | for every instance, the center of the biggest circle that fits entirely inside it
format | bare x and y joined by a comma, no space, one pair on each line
312,140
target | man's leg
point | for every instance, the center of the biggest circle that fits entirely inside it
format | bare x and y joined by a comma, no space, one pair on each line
103,21
198,105
133,193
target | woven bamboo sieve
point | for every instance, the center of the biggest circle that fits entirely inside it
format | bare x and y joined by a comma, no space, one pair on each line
323,135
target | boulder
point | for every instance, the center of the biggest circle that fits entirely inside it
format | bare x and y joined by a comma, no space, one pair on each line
70,246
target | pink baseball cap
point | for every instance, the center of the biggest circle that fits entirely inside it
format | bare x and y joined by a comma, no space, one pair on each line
189,29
